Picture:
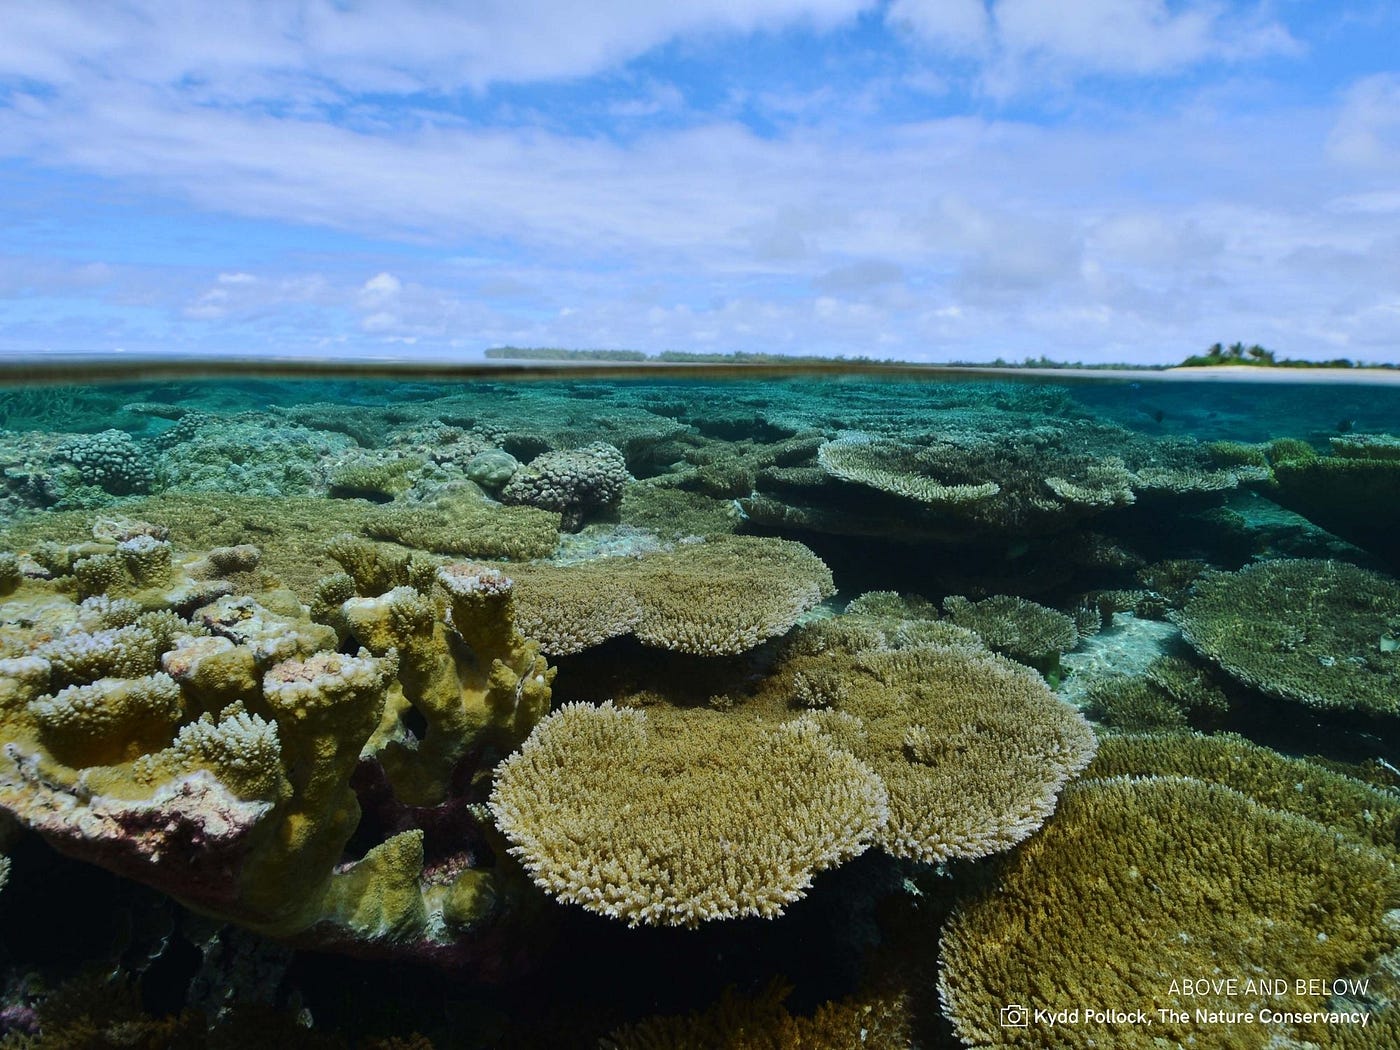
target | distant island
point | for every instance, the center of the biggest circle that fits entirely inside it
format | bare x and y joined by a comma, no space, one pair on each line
1216,355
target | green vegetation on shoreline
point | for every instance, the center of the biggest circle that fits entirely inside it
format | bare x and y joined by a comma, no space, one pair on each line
1218,354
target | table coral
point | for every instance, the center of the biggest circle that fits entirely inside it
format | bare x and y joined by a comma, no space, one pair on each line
682,817
722,596
973,747
1018,627
1136,883
1304,630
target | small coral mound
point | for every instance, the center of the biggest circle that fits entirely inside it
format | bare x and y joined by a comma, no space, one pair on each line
719,597
1322,633
575,482
678,818
1140,883
111,461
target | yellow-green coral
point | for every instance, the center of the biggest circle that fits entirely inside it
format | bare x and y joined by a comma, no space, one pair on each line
997,746
1018,627
223,774
680,817
462,666
1294,785
1303,630
1137,886
721,596
109,721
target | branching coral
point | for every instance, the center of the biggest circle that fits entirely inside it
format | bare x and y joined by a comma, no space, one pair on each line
683,817
722,596
1137,882
1303,630
1022,629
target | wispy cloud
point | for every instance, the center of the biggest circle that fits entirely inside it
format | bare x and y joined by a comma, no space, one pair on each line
886,179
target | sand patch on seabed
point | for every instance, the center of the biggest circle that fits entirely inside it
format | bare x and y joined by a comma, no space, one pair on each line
1126,648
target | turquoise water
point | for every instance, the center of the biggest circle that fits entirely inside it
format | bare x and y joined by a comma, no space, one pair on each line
652,710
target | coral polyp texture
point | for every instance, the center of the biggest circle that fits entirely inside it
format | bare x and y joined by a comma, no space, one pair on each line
973,747
717,597
681,817
575,482
205,742
1322,633
1137,882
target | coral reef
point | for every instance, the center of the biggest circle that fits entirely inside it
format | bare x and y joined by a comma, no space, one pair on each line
1305,630
1138,881
1355,492
1292,785
205,742
721,596
1019,628
682,817
762,1022
575,482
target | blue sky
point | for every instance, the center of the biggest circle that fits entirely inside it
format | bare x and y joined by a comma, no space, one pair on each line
924,179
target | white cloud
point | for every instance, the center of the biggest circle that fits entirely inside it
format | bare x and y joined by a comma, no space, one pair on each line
272,48
960,25
1025,42
1367,132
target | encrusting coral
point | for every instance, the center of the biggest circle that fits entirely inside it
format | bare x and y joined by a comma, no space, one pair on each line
1322,633
675,818
205,742
1137,884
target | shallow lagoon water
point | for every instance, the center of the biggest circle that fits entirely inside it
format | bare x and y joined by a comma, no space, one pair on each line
906,699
